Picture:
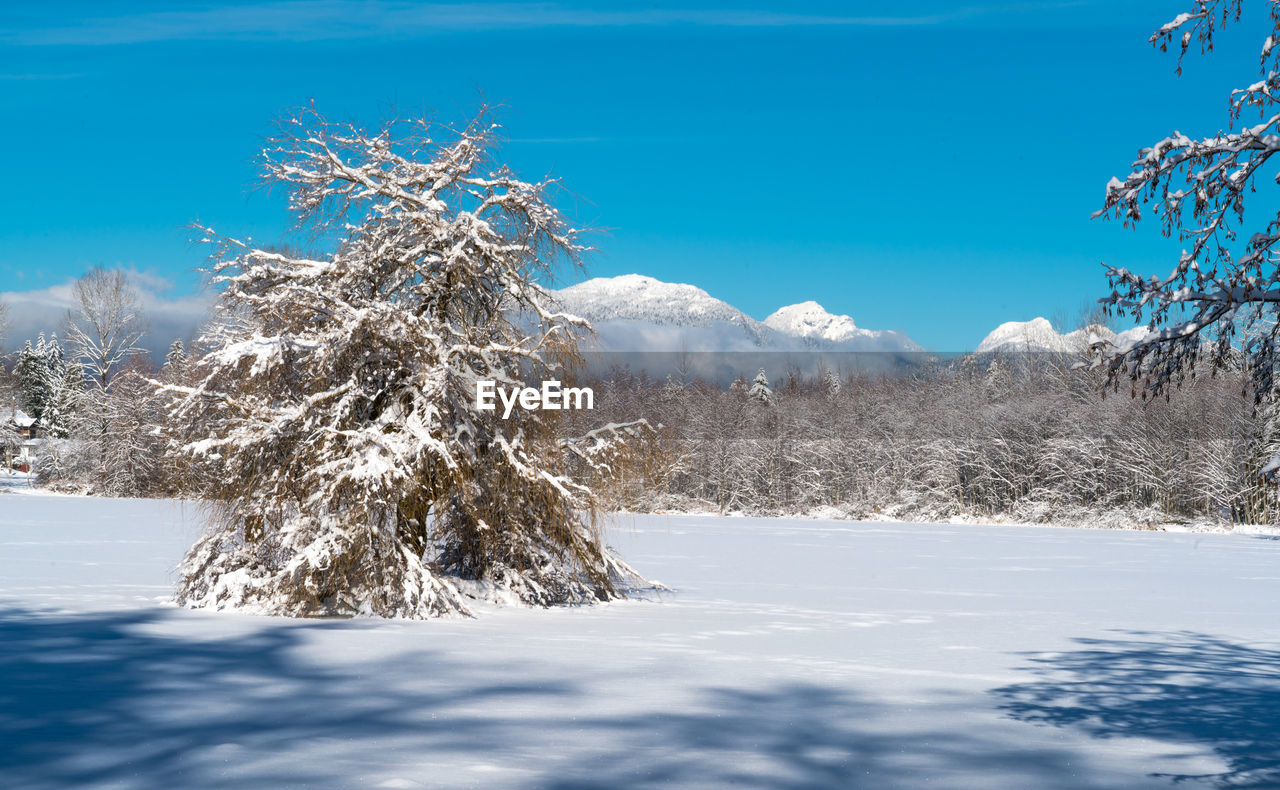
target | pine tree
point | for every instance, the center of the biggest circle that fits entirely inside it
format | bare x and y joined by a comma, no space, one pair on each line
24,373
830,384
68,392
760,388
334,421
36,370
176,358
55,358
54,371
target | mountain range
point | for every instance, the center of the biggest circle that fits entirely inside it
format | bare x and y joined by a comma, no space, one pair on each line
1039,335
635,313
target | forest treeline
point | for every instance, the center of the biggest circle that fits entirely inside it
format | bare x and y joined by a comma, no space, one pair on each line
1029,437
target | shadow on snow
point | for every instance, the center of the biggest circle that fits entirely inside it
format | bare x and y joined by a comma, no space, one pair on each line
110,699
1181,687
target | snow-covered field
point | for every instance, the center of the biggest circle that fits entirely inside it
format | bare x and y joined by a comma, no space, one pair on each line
792,654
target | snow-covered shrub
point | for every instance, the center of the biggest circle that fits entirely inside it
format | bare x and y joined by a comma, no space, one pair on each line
64,464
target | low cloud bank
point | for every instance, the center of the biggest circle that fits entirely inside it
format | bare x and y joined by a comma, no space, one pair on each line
169,316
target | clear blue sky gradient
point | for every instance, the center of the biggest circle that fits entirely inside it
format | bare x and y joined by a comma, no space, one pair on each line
921,166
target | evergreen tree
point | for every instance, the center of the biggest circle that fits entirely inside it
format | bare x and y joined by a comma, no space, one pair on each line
760,388
830,383
35,376
24,373
68,392
54,357
176,358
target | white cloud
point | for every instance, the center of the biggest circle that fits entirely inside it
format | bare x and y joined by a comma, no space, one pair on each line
169,316
315,20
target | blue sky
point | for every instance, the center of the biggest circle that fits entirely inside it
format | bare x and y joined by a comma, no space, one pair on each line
923,166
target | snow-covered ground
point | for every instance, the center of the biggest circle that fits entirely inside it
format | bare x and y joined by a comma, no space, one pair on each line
17,483
792,654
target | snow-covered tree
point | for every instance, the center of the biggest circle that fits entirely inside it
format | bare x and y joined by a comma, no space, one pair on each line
98,398
39,370
1224,291
113,446
106,323
334,416
30,379
175,358
10,446
66,394
830,383
55,357
54,370
127,453
7,383
760,390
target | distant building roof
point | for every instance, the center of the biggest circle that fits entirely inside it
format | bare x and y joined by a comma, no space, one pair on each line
18,417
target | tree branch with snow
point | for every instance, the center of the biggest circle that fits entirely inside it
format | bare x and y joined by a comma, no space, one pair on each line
1219,301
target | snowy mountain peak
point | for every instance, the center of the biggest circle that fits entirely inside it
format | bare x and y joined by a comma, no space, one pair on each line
635,297
1034,335
1039,335
809,319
